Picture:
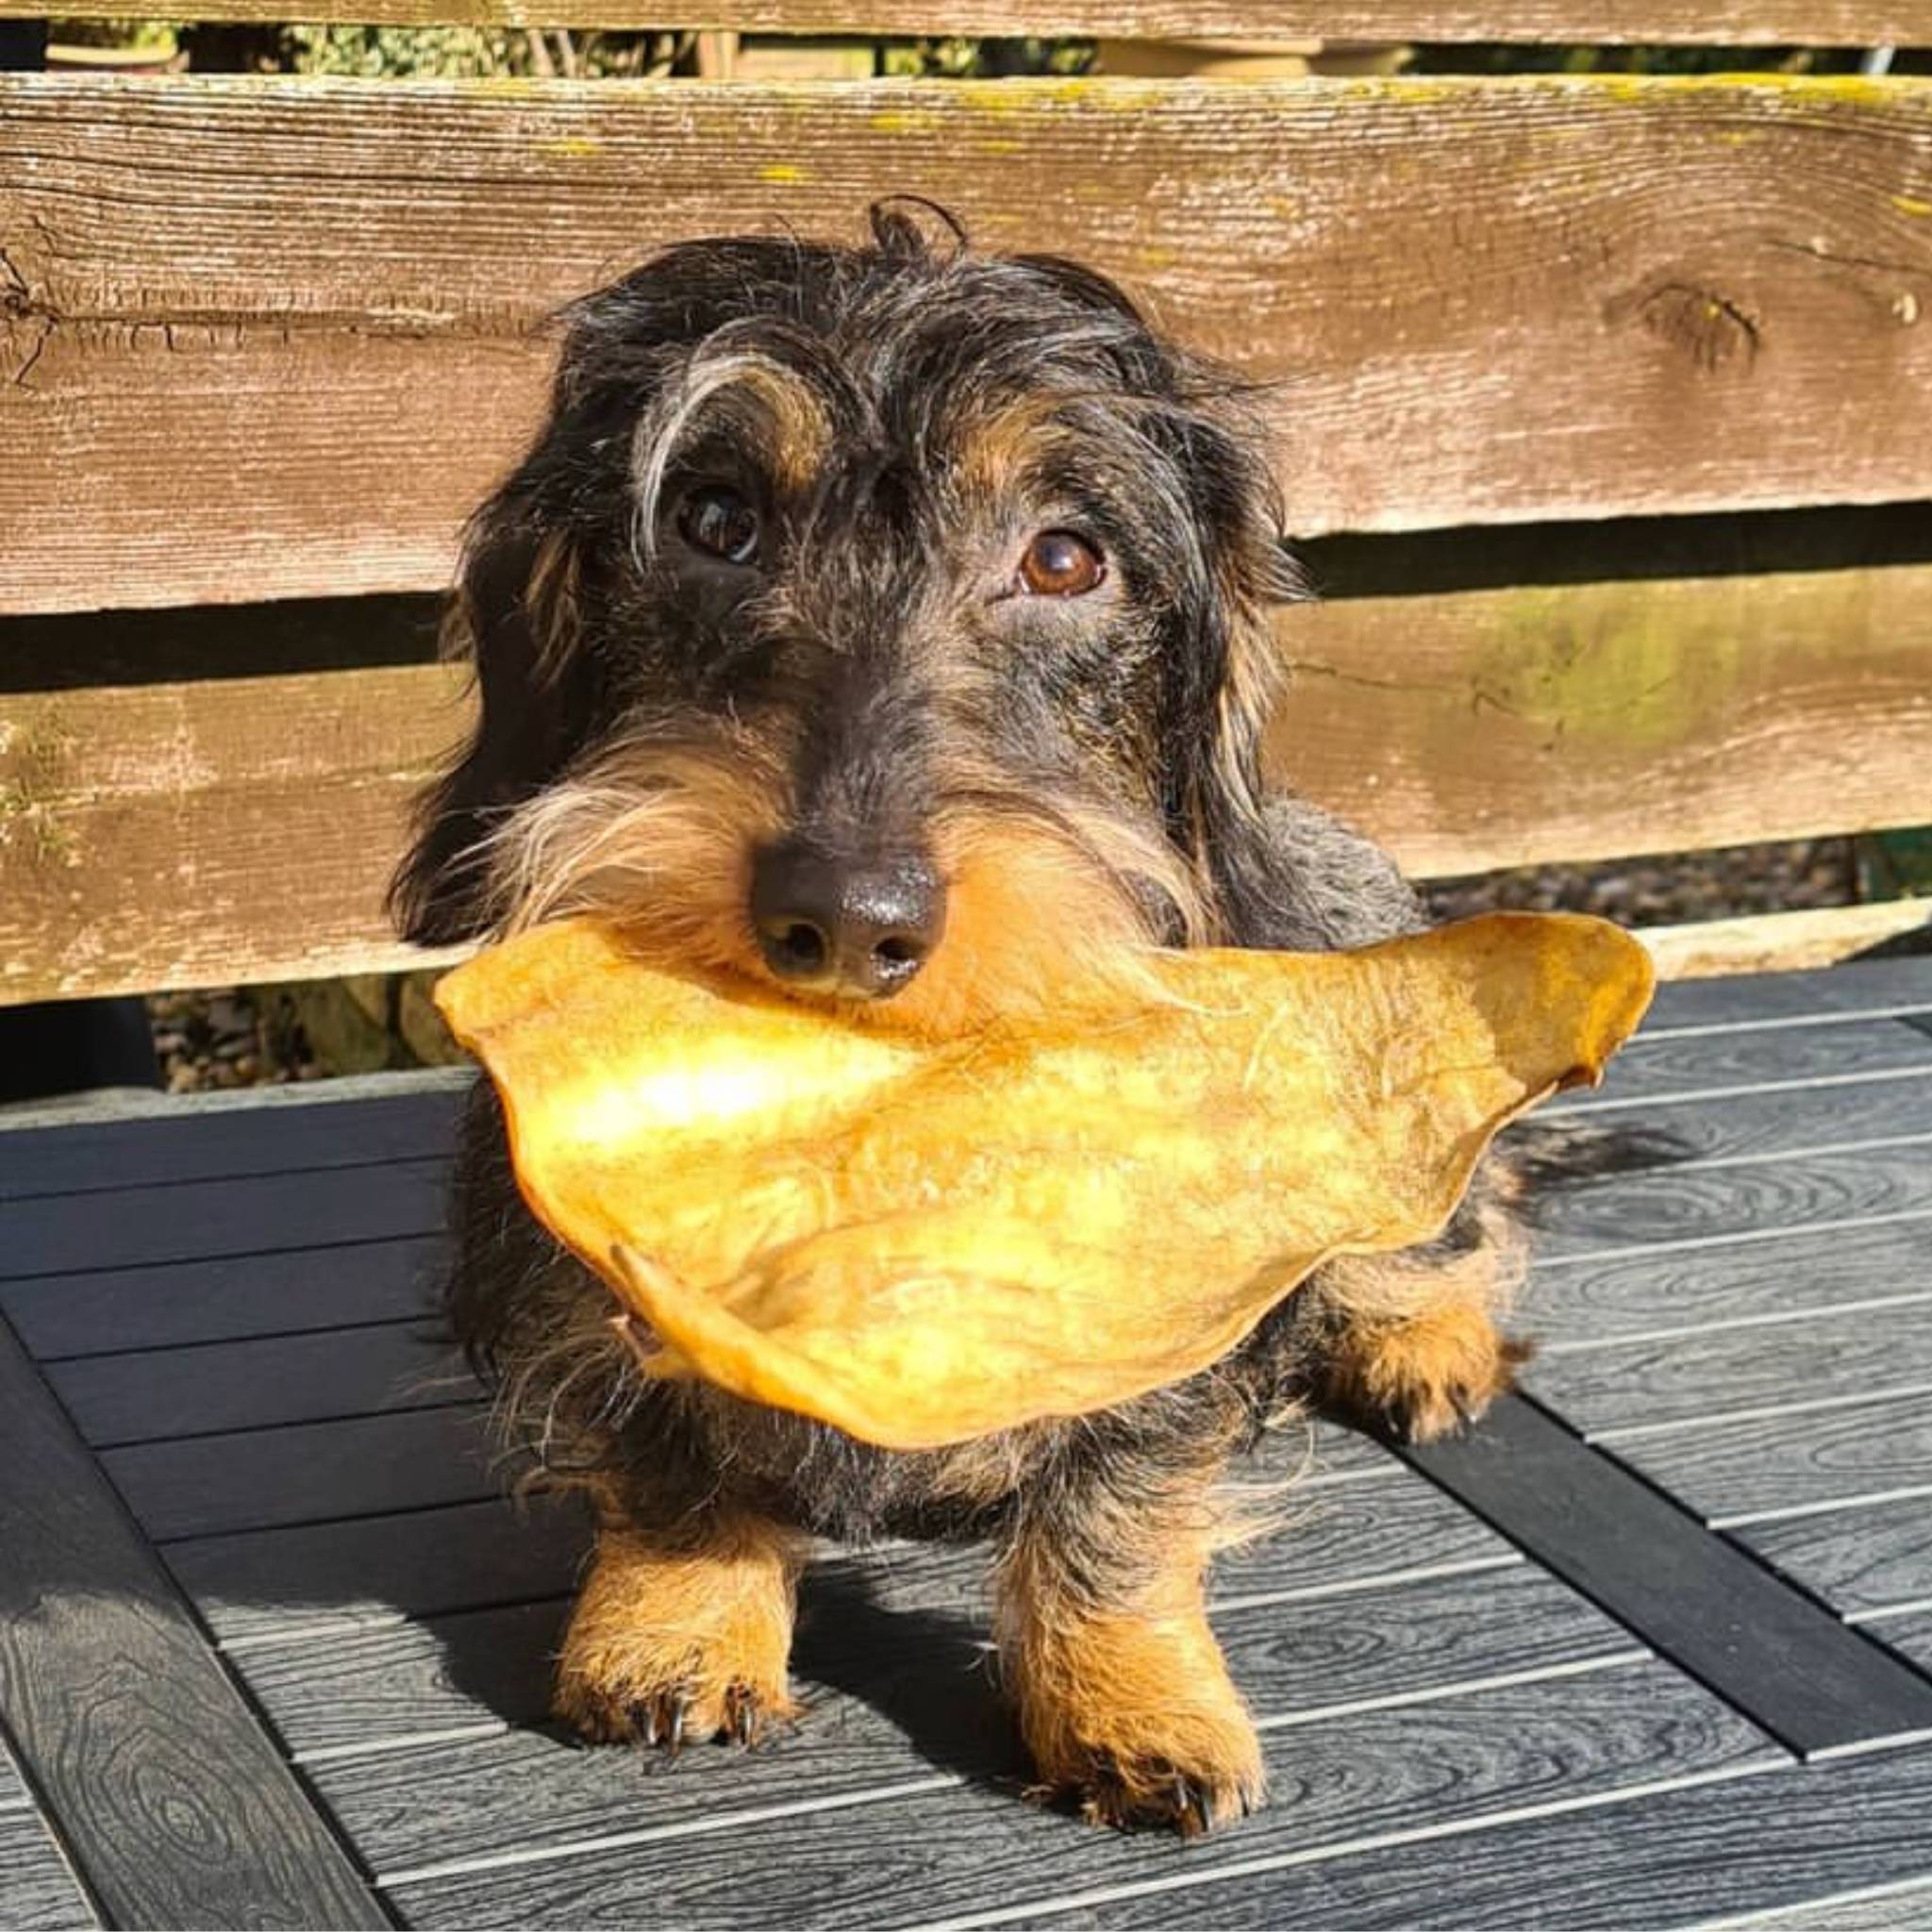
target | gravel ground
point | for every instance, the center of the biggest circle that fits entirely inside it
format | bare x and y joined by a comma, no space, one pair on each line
245,1036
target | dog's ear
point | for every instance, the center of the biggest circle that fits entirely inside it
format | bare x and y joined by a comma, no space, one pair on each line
1230,674
516,619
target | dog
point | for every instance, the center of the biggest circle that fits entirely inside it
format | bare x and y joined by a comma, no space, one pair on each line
890,623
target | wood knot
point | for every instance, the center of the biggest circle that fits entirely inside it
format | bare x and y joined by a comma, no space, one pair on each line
1709,328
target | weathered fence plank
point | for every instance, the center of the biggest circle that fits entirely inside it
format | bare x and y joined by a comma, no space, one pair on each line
241,828
272,337
1723,23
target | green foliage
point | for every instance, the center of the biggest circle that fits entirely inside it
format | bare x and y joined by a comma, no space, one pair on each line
149,36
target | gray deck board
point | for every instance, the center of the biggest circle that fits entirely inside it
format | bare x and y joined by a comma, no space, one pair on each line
1861,1108
309,1580
191,1220
1706,1203
233,1307
1691,1378
366,1692
1794,1461
1774,1653
195,1391
283,1137
1859,1560
892,1695
1660,1068
131,1734
176,1304
1858,986
1636,1296
38,1892
1672,1859
902,1859
1910,1635
281,1583
266,1478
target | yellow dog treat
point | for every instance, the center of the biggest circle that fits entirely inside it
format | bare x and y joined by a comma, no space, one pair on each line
923,1243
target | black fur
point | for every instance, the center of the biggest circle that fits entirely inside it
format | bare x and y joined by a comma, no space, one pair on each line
874,659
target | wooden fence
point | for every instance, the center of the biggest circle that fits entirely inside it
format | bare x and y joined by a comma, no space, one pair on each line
268,340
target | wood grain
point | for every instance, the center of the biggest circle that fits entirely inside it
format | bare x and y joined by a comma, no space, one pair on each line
926,1856
1660,1069
150,1395
37,1889
889,1694
1736,261
1736,22
255,817
174,1803
1701,1204
1784,942
1675,1857
1886,1102
1619,1297
1858,987
1482,729
287,1585
1859,1561
1688,1378
1910,1635
369,1692
191,1220
1567,723
1769,1651
306,1472
179,1303
1774,1465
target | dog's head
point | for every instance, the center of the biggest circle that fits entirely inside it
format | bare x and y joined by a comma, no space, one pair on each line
880,621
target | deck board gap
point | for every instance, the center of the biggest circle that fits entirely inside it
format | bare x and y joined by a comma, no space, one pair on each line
1817,1404
1459,1686
1653,1036
685,1827
1812,1312
1684,1244
1625,1103
1858,1499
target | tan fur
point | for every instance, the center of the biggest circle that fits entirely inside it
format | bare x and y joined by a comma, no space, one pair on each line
1037,921
1128,1708
673,1643
655,836
1418,1346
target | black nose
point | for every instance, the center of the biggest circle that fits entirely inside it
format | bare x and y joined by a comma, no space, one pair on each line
861,930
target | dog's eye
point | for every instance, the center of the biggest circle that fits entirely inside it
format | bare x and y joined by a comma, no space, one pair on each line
721,521
1059,564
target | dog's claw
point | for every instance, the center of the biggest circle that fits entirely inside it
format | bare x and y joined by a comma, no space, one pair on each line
1197,1818
742,1714
642,1715
680,1708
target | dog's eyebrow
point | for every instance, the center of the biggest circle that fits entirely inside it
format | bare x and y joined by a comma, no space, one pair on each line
793,427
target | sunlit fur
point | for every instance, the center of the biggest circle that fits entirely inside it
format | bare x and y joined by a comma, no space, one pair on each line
1083,775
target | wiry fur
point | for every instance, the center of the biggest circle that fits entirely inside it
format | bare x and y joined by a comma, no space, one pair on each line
1084,775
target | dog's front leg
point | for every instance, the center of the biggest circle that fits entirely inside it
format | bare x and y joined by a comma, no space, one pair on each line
680,1636
1124,1697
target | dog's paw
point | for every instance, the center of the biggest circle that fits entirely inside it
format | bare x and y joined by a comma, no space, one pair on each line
1429,1375
669,1649
692,1707
1135,1725
1189,1768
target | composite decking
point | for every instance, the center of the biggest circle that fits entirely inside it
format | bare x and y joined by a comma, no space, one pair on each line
1652,1647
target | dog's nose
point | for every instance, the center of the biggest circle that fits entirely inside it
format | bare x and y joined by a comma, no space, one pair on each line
860,930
